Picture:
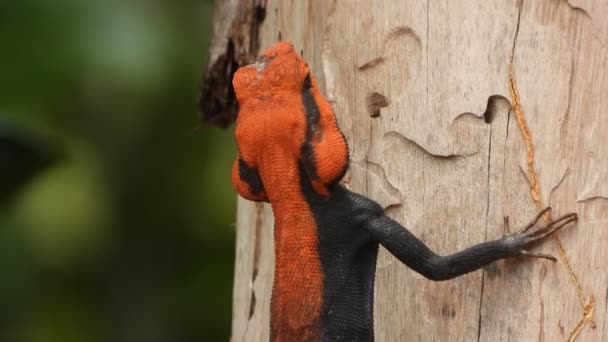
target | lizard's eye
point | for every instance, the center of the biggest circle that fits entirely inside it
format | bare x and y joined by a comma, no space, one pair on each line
307,82
260,63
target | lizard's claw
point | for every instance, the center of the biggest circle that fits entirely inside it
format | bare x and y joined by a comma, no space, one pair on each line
527,253
520,241
540,234
535,220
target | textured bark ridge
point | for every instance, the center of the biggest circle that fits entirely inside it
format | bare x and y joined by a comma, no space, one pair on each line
445,154
235,43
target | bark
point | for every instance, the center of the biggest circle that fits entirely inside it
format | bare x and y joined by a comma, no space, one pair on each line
413,84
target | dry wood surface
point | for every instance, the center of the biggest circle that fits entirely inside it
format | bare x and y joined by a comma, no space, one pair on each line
412,84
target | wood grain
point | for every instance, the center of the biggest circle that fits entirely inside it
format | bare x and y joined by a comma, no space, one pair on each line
441,170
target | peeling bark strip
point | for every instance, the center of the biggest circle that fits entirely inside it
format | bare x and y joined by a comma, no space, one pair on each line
233,45
588,303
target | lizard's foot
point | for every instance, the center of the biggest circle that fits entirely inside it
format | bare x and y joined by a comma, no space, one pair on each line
520,241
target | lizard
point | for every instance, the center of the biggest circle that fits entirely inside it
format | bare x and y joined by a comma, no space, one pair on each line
292,154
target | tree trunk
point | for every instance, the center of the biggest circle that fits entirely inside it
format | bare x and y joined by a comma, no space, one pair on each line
411,83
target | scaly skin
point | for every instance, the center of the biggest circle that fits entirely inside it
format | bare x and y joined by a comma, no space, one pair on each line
293,154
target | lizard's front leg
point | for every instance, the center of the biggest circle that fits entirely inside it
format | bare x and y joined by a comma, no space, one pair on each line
416,255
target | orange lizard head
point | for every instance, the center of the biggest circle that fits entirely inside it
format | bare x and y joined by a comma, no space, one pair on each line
284,119
279,68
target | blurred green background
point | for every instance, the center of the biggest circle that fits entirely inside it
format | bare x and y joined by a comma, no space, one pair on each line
128,234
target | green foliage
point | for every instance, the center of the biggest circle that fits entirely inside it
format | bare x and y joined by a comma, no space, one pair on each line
129,235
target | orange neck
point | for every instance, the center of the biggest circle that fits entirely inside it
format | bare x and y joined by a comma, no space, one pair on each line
298,282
